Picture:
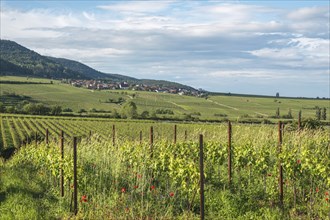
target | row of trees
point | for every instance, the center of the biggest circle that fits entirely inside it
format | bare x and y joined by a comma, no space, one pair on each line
321,114
31,109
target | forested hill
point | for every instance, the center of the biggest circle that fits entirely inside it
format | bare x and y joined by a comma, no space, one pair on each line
17,60
20,61
88,71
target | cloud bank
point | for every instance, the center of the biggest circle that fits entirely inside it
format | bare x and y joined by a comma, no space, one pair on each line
219,46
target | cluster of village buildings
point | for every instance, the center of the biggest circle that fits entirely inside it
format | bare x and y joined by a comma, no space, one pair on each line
101,85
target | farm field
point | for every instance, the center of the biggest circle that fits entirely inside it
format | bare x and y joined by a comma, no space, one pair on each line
123,175
215,107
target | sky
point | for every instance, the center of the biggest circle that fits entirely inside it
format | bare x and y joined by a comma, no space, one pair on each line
250,47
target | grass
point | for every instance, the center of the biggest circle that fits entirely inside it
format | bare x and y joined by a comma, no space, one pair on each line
211,109
125,182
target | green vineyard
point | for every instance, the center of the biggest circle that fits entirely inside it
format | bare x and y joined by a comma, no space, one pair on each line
151,170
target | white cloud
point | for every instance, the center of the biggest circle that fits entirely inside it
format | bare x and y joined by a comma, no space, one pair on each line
190,42
136,6
307,52
309,13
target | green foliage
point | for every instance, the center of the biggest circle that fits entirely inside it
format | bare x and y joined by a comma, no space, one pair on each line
164,111
36,109
55,110
145,114
129,181
324,114
318,113
129,110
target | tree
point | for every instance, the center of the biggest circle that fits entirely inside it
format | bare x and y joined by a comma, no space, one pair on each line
290,113
324,113
145,114
129,110
318,113
56,110
277,114
36,109
2,108
277,94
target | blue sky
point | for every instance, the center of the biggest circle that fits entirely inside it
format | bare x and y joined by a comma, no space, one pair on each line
253,47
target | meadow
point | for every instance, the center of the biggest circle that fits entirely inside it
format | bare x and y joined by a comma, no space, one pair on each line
122,174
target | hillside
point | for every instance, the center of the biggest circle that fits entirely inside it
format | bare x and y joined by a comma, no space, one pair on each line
165,105
32,63
88,71
17,60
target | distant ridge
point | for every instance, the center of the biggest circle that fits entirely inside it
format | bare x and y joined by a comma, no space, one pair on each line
88,71
17,60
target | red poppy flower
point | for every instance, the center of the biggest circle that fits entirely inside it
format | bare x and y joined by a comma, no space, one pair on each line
298,161
171,194
83,198
326,193
152,187
139,176
317,189
135,187
327,199
123,190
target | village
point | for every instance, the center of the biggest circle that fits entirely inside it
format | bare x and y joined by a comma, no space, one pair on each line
104,85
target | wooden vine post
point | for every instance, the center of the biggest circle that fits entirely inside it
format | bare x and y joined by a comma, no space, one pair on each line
62,158
140,137
151,140
185,135
201,176
113,135
175,134
299,120
47,136
280,162
229,154
75,182
36,137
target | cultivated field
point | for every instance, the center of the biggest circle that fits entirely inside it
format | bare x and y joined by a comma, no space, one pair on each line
123,175
212,108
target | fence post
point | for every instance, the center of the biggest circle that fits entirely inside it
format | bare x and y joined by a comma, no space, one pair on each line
185,135
75,186
229,153
299,120
140,137
175,134
201,174
47,135
151,140
279,164
113,135
36,136
62,158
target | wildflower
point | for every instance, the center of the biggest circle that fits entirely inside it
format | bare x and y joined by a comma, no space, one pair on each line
298,161
139,176
171,194
126,209
326,193
327,199
123,190
152,187
135,187
317,189
83,198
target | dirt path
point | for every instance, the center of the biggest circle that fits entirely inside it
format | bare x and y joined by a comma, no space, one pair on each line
217,103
